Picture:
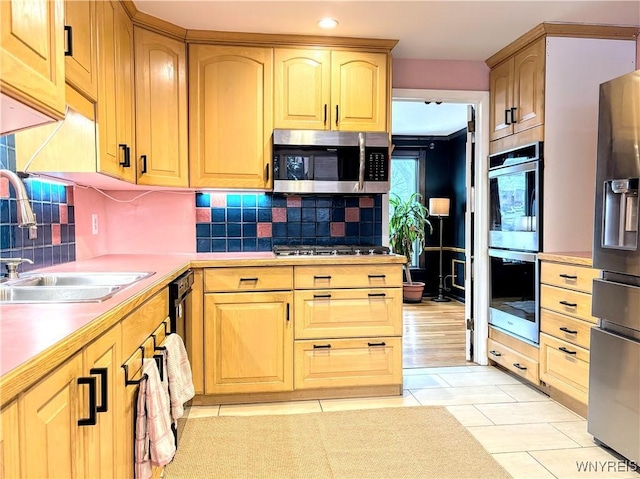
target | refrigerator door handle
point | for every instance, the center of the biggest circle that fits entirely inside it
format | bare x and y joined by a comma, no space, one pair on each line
616,302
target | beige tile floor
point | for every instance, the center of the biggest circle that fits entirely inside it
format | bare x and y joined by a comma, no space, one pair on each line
532,436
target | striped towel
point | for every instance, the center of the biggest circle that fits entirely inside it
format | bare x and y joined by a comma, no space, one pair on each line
181,387
154,444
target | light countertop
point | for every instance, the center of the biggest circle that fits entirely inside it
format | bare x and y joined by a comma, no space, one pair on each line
580,258
35,336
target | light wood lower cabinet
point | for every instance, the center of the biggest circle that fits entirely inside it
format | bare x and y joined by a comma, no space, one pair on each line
51,441
565,366
347,362
248,342
9,445
335,313
517,356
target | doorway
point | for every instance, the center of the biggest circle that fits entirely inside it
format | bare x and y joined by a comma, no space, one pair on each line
475,197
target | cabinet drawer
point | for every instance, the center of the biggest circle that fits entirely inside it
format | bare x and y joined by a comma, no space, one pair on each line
568,276
347,363
566,369
138,325
248,279
574,331
565,301
523,366
348,313
348,276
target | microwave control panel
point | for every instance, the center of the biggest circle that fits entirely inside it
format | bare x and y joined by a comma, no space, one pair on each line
376,167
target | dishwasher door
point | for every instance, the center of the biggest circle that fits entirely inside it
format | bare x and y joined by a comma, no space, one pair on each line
614,392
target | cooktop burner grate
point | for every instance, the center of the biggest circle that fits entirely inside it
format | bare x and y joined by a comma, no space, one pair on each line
336,250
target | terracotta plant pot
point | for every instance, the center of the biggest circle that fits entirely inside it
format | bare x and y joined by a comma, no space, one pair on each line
412,292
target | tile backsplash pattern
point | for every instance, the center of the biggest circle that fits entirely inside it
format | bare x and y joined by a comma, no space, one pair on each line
257,222
54,209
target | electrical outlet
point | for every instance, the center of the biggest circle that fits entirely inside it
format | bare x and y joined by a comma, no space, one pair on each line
94,224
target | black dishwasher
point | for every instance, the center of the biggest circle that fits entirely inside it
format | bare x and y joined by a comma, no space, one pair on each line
179,290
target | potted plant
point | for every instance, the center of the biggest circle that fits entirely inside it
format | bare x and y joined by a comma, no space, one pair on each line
407,225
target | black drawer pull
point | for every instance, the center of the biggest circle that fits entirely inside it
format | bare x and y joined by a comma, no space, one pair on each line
506,117
69,31
495,353
513,114
322,277
143,158
104,388
376,344
568,276
565,350
567,330
519,366
325,296
567,303
248,279
377,276
321,346
377,295
288,312
92,420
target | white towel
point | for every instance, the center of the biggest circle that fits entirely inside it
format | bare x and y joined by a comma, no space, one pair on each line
154,444
178,371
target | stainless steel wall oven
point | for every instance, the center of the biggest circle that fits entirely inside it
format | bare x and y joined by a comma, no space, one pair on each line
515,192
514,293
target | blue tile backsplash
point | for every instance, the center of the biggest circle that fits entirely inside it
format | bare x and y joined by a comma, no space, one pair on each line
257,222
54,209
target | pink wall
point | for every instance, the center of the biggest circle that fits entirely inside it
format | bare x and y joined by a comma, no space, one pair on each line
440,74
158,222
638,52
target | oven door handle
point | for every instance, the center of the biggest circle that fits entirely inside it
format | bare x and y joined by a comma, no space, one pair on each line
519,168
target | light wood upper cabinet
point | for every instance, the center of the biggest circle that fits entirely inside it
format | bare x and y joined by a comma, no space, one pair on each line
302,82
230,116
81,63
161,110
516,90
330,90
9,442
51,443
32,54
115,108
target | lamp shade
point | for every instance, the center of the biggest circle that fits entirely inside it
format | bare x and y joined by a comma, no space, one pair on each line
439,206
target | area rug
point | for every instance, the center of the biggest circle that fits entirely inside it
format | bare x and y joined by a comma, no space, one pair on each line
393,443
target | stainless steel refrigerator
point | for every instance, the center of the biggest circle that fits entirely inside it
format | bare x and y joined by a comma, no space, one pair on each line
614,371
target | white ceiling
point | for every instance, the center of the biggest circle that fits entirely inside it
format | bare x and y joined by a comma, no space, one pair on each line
428,29
435,30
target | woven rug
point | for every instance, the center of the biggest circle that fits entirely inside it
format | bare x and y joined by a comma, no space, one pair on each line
394,443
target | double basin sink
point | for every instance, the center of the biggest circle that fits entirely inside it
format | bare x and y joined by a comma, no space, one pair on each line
67,287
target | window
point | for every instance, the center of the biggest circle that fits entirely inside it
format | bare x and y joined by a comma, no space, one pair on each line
405,180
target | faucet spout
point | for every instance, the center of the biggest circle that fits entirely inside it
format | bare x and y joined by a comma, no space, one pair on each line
26,218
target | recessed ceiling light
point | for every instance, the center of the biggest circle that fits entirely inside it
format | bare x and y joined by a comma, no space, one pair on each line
328,23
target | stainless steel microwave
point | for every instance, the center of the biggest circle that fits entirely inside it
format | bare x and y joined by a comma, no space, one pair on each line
318,161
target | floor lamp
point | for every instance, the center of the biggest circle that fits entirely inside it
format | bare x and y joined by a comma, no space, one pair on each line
439,207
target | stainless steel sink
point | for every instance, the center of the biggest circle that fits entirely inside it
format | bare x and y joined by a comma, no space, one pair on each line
67,287
56,294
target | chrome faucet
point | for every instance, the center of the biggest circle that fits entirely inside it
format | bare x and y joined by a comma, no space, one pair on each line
12,266
26,217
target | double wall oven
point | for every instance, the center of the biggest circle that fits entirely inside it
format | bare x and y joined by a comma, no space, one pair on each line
515,238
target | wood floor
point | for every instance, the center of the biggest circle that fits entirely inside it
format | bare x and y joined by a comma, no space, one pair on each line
434,334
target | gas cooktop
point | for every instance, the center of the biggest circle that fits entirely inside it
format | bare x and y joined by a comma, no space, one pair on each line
335,250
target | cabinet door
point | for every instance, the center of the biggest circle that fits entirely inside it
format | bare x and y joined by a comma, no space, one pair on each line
115,97
528,87
358,91
501,100
102,359
9,442
32,54
51,440
81,66
302,83
248,342
230,116
161,110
